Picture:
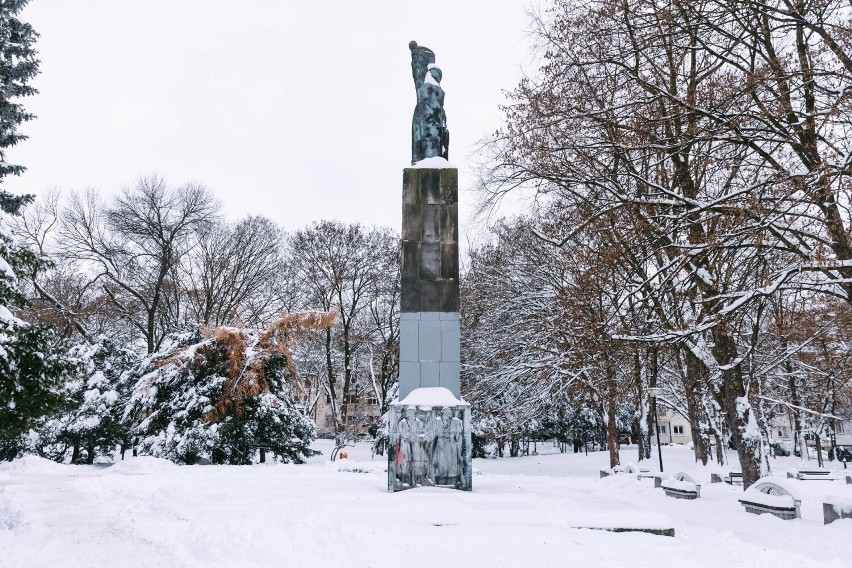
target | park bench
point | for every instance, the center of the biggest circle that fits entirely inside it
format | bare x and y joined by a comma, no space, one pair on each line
633,469
734,478
768,495
681,486
627,469
813,475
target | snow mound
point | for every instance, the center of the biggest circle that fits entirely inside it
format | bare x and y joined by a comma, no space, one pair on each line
678,485
621,520
435,162
360,467
30,463
764,485
141,464
10,519
429,397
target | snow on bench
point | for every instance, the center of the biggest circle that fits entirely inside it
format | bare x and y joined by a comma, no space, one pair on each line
836,510
681,486
624,521
771,495
812,475
631,469
734,478
628,469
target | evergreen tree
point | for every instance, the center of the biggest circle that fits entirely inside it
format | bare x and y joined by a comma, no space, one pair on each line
32,365
225,396
91,424
18,65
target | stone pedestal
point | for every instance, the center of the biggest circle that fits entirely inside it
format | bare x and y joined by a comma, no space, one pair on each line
429,314
423,434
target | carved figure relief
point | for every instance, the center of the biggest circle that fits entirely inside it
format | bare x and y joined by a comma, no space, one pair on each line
428,447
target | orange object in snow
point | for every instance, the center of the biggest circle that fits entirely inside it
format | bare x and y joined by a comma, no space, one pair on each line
343,455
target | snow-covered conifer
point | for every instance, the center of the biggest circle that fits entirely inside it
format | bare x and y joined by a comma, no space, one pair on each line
90,424
32,368
224,395
18,64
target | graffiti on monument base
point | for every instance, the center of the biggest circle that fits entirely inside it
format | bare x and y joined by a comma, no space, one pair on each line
429,447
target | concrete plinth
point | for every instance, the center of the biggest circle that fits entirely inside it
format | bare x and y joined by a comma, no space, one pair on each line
429,314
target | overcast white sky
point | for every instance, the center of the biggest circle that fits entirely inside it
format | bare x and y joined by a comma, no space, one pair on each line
297,110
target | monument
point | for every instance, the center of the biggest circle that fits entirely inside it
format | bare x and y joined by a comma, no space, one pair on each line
429,424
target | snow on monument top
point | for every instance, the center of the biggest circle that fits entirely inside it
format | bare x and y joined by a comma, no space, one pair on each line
431,396
435,162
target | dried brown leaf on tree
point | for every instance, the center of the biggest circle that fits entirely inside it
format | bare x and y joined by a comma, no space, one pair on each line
248,351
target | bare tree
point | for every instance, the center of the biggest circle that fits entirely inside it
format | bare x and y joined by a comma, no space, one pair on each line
229,272
341,267
134,245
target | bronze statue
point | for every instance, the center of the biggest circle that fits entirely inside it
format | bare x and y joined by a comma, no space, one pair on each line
429,135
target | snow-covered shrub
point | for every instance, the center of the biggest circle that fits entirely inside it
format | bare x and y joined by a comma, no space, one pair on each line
381,439
90,425
223,395
33,364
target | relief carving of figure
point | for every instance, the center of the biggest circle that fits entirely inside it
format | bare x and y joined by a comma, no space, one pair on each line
457,441
419,453
404,447
445,460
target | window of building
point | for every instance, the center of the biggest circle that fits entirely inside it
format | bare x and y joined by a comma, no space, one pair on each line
373,400
782,431
662,429
678,430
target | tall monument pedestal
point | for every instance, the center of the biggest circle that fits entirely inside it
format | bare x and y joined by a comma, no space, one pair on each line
429,426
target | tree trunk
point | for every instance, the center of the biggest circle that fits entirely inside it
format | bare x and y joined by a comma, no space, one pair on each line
262,455
644,442
611,428
820,462
513,446
795,402
720,447
745,439
75,453
694,375
90,454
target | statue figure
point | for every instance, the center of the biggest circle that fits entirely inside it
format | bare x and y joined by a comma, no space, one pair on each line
404,448
446,454
429,134
427,441
457,442
419,452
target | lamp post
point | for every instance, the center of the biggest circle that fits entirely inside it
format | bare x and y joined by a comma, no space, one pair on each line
652,392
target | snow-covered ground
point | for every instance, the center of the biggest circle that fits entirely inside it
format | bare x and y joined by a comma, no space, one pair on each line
149,512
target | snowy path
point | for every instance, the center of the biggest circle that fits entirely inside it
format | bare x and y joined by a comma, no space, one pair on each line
147,512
